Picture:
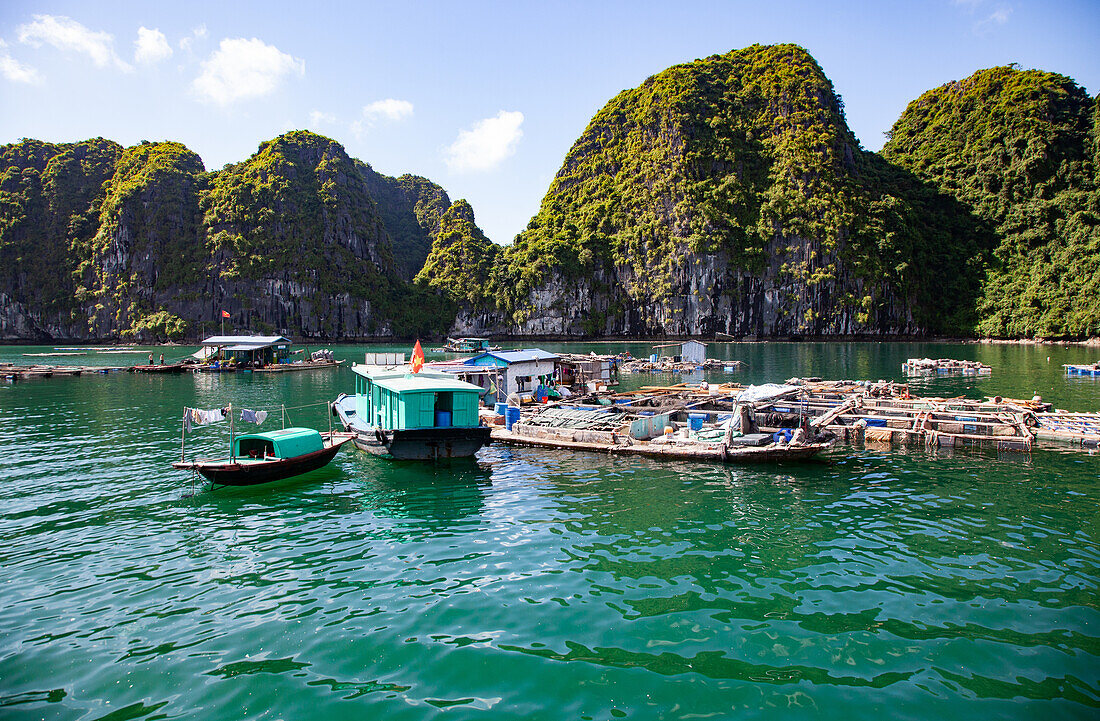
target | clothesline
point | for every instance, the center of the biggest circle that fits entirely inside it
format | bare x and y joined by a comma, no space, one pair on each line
288,408
201,417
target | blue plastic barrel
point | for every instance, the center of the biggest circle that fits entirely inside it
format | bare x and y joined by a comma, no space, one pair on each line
695,421
442,419
499,408
511,416
652,357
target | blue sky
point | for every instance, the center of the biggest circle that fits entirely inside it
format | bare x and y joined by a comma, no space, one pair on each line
484,98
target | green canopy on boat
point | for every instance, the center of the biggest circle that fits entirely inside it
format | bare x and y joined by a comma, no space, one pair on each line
287,443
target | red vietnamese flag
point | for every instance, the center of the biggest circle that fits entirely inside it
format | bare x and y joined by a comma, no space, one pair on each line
225,314
418,358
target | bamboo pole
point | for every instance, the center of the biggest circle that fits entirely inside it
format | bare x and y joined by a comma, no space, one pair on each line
232,455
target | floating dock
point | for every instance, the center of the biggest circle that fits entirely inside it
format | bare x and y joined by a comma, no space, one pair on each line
882,412
674,435
1081,429
944,367
13,372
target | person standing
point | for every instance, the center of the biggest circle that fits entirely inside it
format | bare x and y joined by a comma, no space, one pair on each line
150,359
162,359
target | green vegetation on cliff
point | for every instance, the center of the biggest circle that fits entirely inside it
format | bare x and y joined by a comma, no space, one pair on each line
461,259
411,208
744,156
1018,149
50,199
298,210
142,242
723,195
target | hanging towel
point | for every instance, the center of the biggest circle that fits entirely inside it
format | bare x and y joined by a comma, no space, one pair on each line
187,420
202,418
256,417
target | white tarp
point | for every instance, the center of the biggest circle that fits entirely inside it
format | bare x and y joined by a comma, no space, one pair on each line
767,392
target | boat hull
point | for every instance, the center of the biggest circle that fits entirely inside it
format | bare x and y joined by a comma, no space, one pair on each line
413,444
423,444
250,474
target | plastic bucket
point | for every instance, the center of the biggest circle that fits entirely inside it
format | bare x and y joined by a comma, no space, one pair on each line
511,416
442,419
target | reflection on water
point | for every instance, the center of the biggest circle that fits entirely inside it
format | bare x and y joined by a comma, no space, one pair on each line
876,582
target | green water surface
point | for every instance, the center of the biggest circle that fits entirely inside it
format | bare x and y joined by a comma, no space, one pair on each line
537,584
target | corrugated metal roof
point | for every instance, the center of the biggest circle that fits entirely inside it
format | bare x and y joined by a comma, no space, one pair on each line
517,356
251,341
412,383
399,380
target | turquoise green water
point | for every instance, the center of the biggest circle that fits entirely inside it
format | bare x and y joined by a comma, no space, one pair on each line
543,585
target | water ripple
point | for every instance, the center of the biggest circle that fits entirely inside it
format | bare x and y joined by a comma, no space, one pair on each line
530,583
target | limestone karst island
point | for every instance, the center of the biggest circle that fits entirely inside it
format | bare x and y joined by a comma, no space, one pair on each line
725,195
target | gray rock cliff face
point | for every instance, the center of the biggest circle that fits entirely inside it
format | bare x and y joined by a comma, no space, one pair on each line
289,241
707,298
725,195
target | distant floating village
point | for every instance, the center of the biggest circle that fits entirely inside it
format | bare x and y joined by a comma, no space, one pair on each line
413,409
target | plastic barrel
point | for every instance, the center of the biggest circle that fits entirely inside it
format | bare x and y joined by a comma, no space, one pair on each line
442,419
695,420
499,408
511,416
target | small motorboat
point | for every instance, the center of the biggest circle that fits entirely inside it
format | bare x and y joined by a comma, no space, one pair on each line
466,345
269,456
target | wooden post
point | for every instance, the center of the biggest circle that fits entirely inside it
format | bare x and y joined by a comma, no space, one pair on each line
232,458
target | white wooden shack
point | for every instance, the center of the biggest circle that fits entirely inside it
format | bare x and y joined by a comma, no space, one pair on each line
690,351
519,370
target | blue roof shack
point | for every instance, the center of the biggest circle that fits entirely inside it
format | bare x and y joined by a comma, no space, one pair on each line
518,371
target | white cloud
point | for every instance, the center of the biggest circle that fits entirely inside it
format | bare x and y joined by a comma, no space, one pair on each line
151,46
198,33
14,70
487,144
67,34
241,69
318,118
390,109
997,17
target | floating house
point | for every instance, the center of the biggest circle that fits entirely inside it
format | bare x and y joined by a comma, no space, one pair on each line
691,351
246,350
578,371
409,416
517,371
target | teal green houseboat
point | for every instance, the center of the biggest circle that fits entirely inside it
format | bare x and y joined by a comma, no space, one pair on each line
406,415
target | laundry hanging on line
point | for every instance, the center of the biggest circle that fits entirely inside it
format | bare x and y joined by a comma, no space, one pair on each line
200,417
257,417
